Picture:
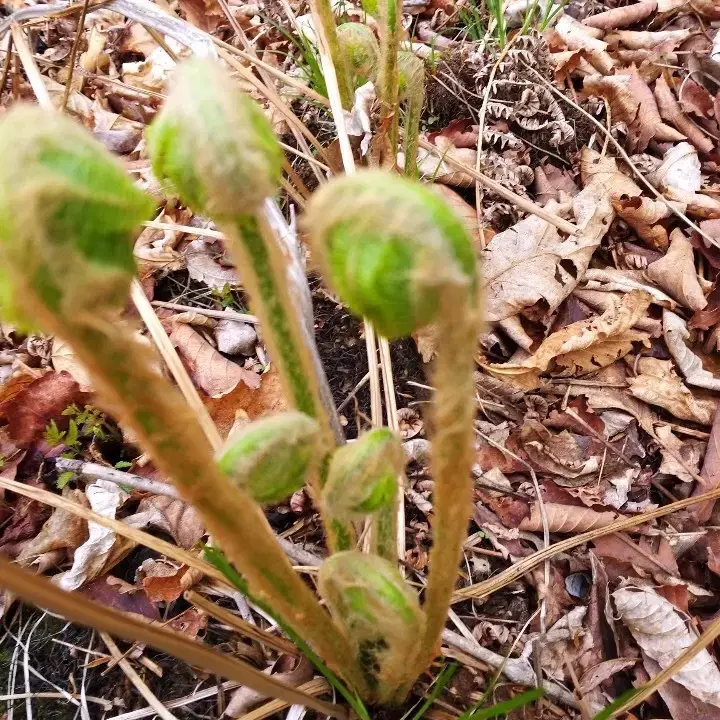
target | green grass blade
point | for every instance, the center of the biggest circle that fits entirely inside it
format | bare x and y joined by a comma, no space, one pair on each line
615,704
503,708
445,676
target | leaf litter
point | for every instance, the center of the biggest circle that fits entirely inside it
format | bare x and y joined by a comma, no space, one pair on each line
597,372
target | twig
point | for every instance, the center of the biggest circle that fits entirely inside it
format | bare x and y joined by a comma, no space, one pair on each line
6,64
316,686
135,679
73,56
219,314
501,190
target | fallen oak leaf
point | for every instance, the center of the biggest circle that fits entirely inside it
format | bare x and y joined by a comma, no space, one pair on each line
647,40
213,373
621,17
579,37
675,272
567,518
643,215
171,515
204,260
671,111
674,451
632,101
587,345
690,365
164,581
658,384
663,635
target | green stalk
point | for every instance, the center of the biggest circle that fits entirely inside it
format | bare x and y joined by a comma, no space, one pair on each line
412,90
397,254
323,12
67,217
390,28
215,146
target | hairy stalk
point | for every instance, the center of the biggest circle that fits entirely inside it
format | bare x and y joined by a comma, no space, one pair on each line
390,29
67,215
397,254
217,149
412,90
323,13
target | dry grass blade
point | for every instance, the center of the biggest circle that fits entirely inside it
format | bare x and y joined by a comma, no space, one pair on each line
43,593
120,528
707,638
312,687
516,571
244,628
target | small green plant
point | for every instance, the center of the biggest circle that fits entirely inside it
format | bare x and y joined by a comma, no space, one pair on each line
496,10
471,18
86,424
393,251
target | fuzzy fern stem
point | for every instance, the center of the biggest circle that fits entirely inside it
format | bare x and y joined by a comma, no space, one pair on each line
323,12
398,255
412,90
67,217
390,29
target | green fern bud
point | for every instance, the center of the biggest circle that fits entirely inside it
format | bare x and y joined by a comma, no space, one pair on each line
389,246
360,50
273,457
411,75
213,143
363,475
378,613
67,216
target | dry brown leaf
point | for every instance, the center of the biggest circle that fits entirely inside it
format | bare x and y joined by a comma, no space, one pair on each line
689,451
690,365
603,169
643,556
612,280
603,671
694,98
172,516
657,384
65,360
663,635
268,399
622,16
432,166
645,40
36,403
213,373
205,263
564,455
584,346
164,581
710,475
579,37
643,215
632,101
465,211
671,111
62,531
567,518
531,266
675,272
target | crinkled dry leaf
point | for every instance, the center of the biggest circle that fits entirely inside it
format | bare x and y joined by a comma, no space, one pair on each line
647,40
657,384
675,272
632,101
432,167
116,593
689,451
622,16
566,454
680,170
584,346
690,365
62,531
204,260
671,111
579,37
171,515
567,518
645,556
164,581
91,558
465,211
65,360
611,279
643,215
662,634
213,373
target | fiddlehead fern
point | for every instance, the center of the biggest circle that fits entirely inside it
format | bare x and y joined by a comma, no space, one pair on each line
67,218
362,480
273,457
397,254
360,50
379,615
214,145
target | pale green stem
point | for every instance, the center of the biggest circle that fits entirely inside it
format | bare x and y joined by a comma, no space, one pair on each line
324,12
383,532
390,27
411,131
124,373
452,459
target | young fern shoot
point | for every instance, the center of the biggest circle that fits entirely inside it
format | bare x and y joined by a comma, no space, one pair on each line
213,144
397,254
67,217
411,73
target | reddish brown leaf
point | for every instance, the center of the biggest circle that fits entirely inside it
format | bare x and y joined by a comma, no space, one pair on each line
164,582
512,511
27,518
29,411
567,519
622,16
189,623
643,556
710,473
112,592
461,133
